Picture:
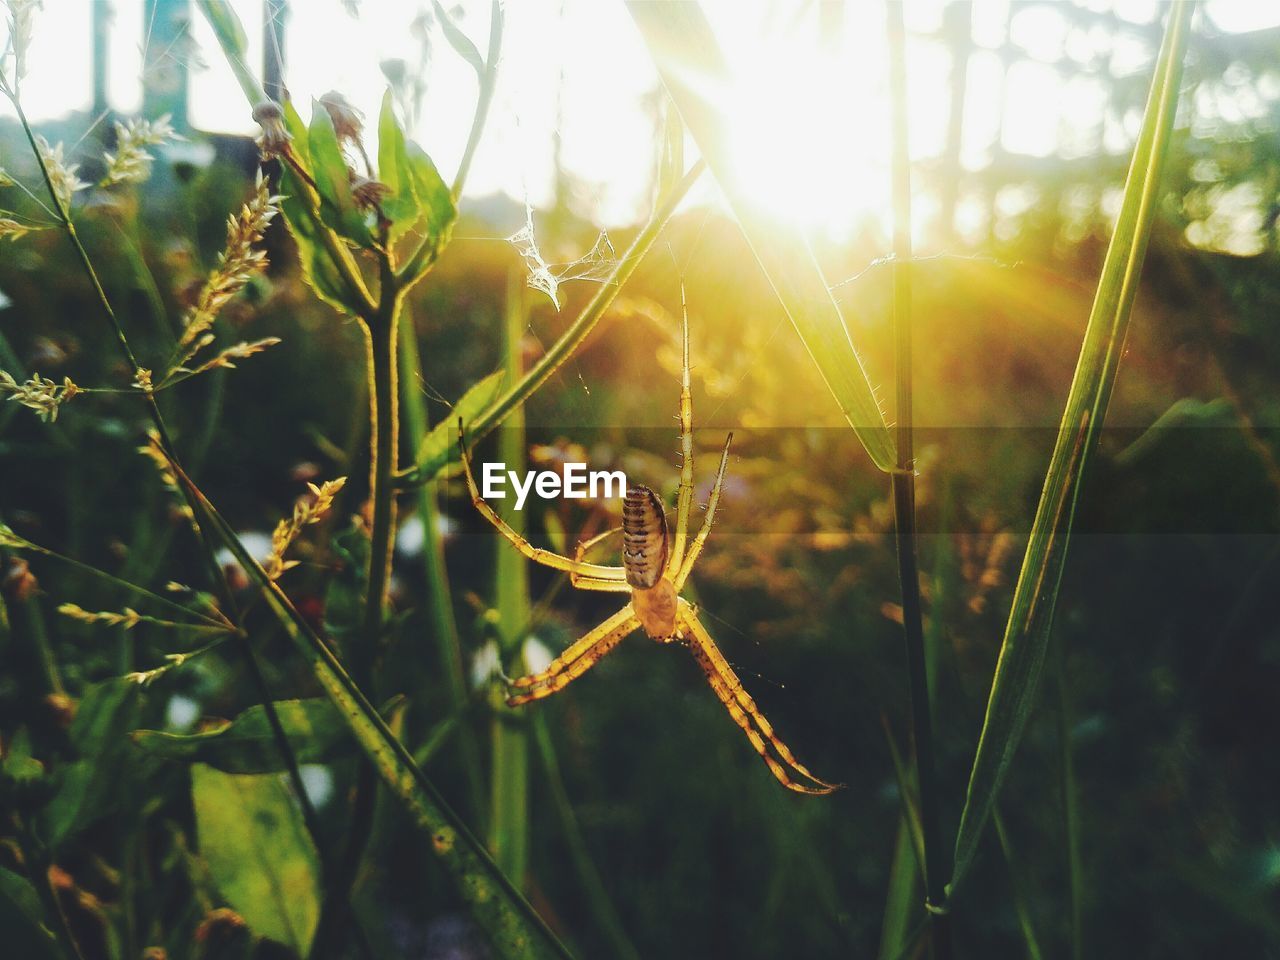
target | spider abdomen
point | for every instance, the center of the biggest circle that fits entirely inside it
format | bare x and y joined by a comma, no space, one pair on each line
644,538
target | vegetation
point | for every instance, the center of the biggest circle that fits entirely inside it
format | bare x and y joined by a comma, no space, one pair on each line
219,741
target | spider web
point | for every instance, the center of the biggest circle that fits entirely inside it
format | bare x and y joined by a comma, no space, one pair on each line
596,265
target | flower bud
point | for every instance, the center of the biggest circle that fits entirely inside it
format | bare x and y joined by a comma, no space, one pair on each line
348,122
274,139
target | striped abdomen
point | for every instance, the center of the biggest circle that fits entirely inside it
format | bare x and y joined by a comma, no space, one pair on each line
644,537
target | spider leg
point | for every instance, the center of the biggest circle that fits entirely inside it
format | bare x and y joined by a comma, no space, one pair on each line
743,708
603,586
577,659
713,501
545,557
684,499
617,584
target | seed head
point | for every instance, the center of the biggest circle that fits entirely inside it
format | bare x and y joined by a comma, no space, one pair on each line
131,163
274,138
62,175
368,193
348,122
21,23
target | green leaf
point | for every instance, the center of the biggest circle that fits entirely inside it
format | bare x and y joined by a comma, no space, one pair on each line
401,204
21,920
318,269
418,198
435,202
1026,637
315,730
18,765
87,788
440,446
460,42
260,857
692,67
329,168
300,134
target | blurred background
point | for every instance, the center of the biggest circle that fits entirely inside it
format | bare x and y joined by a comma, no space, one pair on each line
656,829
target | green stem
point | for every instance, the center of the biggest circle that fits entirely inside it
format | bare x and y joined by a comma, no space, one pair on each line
903,485
488,81
382,337
509,793
439,605
384,425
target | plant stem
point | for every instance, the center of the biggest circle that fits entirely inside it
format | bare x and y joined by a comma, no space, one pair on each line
488,81
381,338
439,605
384,427
509,795
904,495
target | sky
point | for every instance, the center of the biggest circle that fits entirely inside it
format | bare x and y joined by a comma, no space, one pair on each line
579,67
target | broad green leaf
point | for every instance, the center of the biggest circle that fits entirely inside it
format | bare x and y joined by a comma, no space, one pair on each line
460,42
435,203
300,134
692,69
87,788
440,447
21,920
329,168
1026,637
318,269
418,197
251,835
401,204
315,730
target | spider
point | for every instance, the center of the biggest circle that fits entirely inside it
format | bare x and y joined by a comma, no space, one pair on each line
655,566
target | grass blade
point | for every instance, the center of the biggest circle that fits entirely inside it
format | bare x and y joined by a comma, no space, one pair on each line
690,64
1026,637
901,897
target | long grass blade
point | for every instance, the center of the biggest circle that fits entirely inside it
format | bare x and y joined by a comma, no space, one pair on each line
693,69
1026,637
901,898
